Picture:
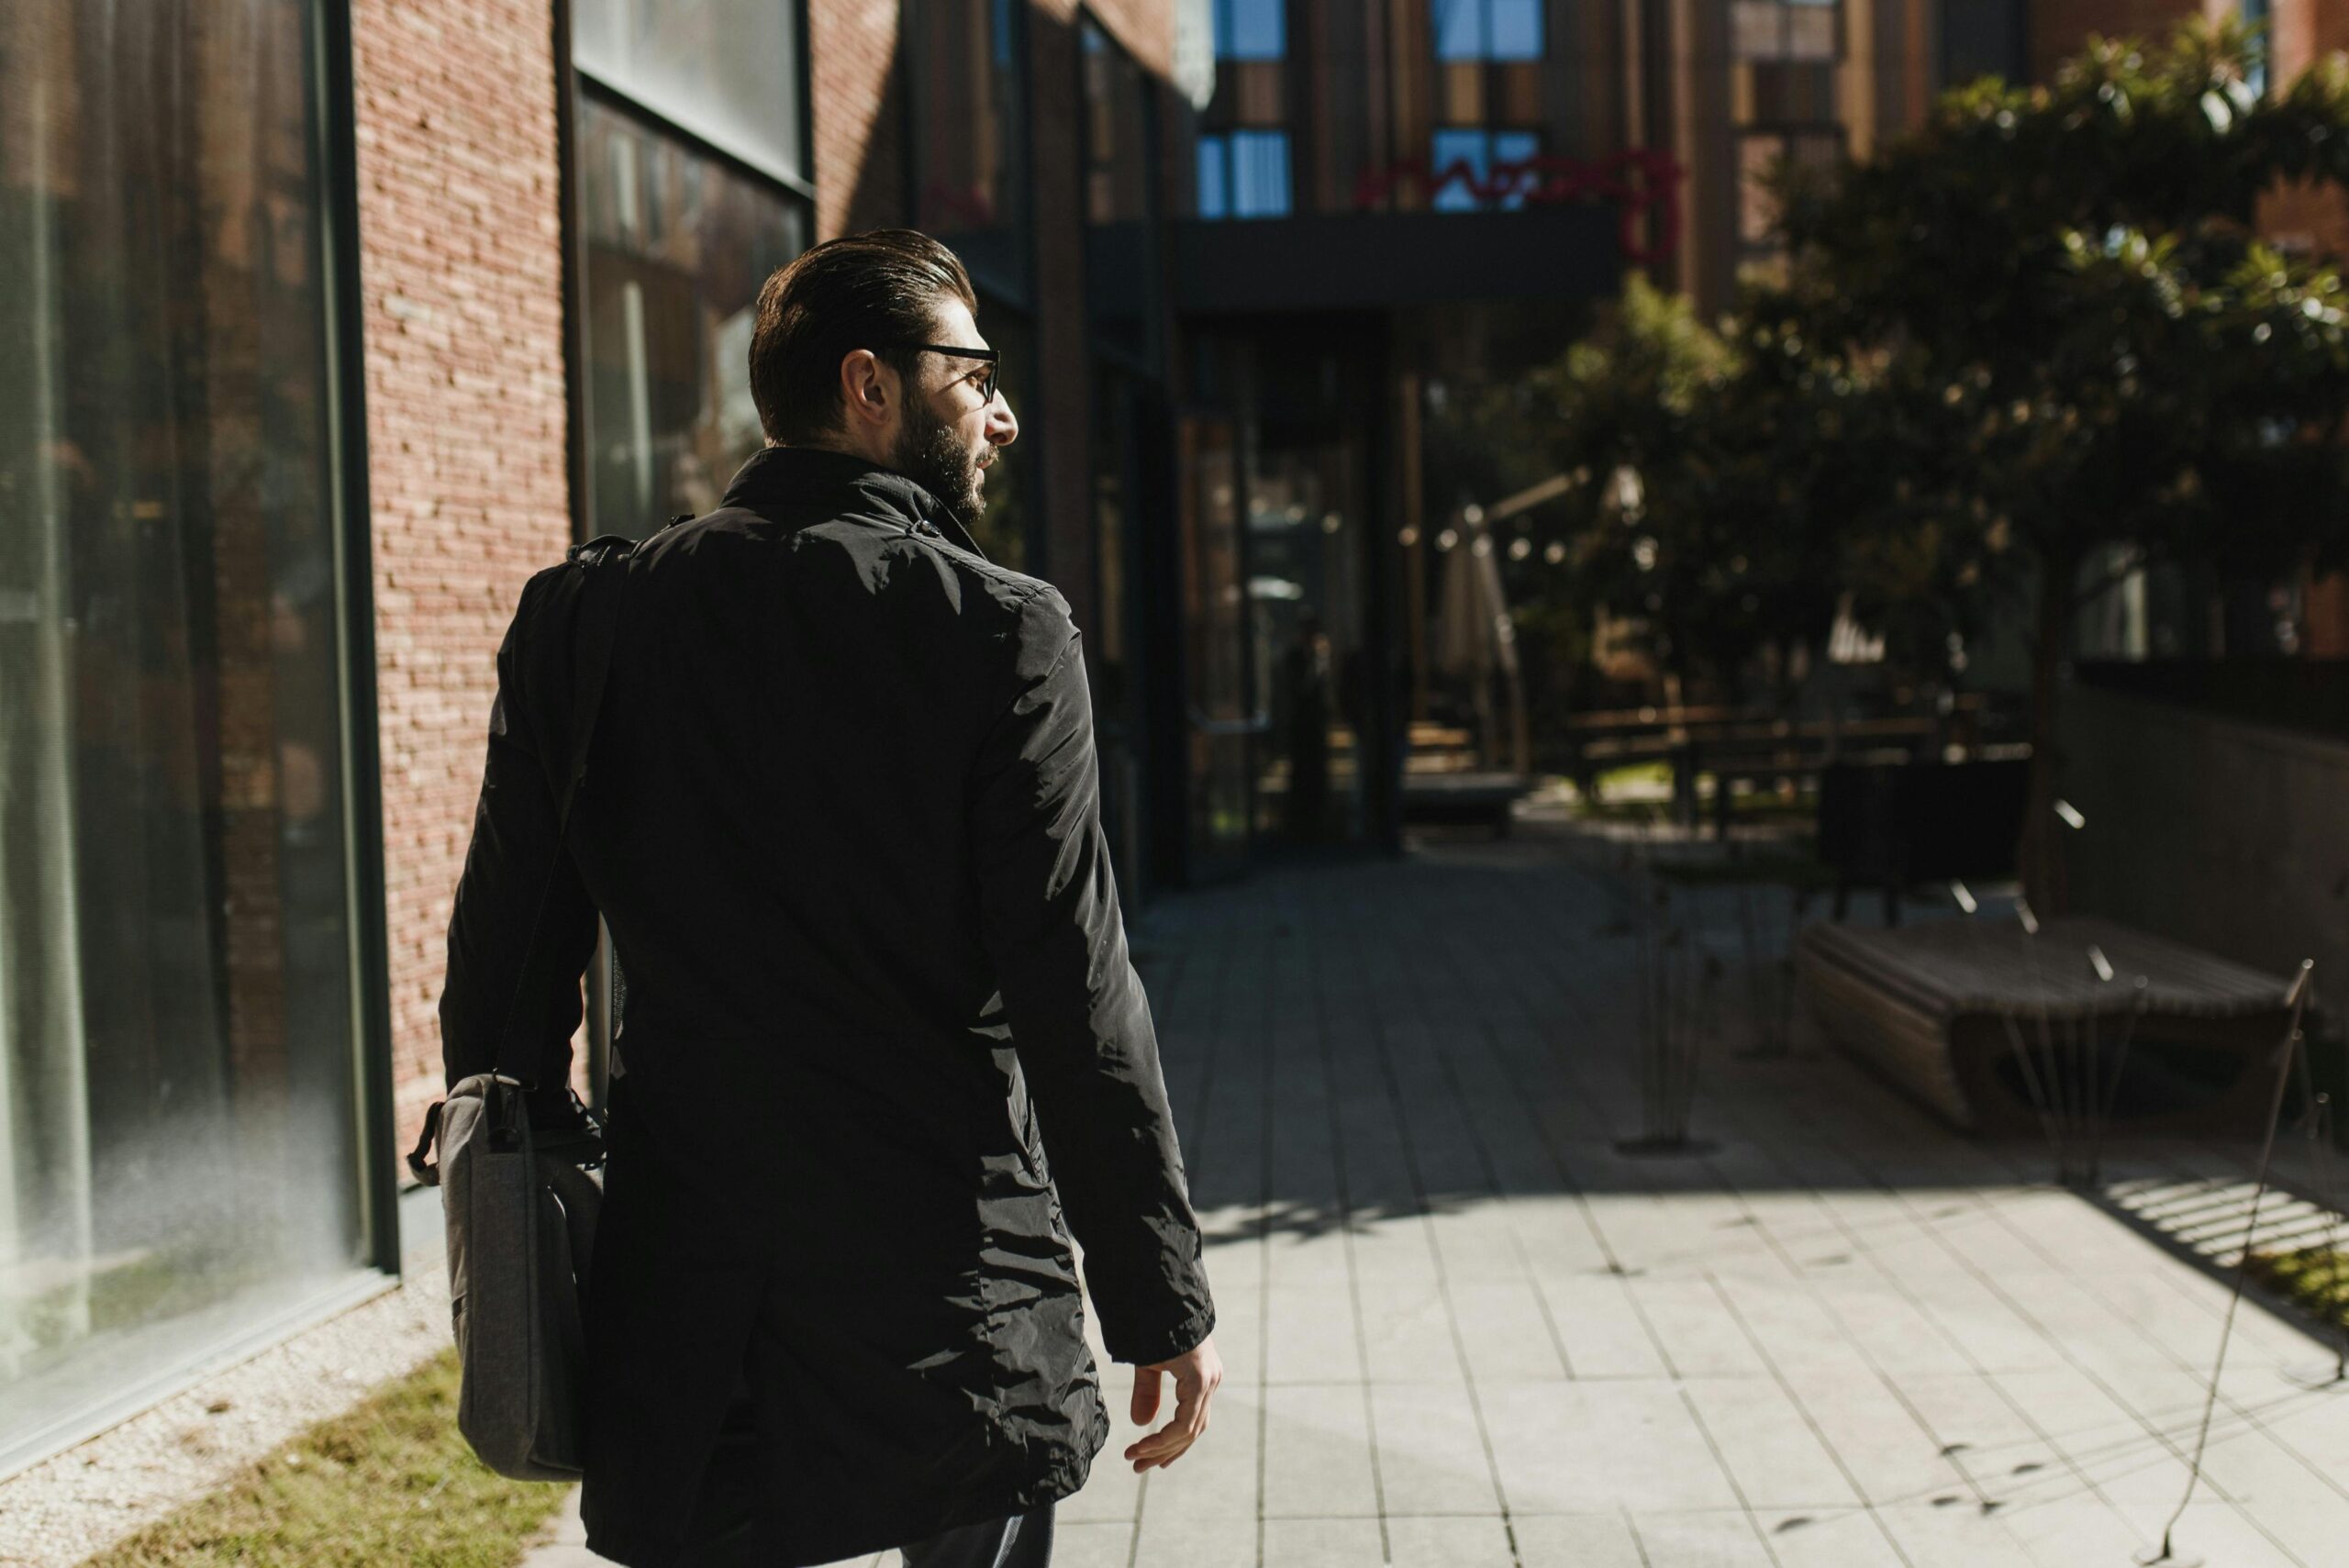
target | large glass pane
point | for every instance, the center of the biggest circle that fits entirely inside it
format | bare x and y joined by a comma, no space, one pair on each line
970,73
727,70
1460,167
1459,29
677,246
178,1127
1305,600
1251,29
1119,261
1213,201
1260,173
1221,725
1516,29
1009,522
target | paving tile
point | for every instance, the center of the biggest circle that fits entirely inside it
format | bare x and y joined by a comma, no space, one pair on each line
1102,1545
1601,1329
1316,1453
1504,1332
1481,1543
1719,1539
1172,1540
1956,1535
1310,1334
1323,1543
1408,1334
1574,1447
1775,1459
2223,1535
1701,1336
1431,1455
1891,1453
1823,1537
1217,1479
1576,1541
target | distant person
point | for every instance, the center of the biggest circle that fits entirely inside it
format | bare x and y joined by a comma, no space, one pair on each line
842,819
1306,681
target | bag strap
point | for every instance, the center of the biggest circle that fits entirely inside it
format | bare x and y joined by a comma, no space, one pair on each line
605,560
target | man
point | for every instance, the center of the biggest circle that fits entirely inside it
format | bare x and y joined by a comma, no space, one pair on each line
842,819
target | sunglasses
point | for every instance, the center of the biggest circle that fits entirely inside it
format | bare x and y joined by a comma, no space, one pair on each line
987,385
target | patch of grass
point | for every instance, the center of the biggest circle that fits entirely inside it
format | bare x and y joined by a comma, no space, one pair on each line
387,1481
2314,1279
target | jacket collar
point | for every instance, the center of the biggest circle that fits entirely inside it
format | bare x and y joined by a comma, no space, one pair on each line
836,482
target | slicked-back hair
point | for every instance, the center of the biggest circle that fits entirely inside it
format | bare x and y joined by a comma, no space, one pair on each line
880,290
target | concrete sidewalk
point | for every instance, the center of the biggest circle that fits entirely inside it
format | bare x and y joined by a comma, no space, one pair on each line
1462,1330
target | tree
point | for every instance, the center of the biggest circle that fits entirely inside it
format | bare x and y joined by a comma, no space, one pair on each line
2077,342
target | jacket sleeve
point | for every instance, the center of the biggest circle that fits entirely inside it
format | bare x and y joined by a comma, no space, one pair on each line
506,870
1079,1020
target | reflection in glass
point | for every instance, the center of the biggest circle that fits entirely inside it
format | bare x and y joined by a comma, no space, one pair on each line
1487,30
1251,29
970,75
1471,156
1305,605
178,1123
1120,260
677,247
728,70
1243,173
1003,530
1220,719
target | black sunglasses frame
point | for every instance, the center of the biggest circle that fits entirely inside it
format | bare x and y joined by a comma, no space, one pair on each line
987,387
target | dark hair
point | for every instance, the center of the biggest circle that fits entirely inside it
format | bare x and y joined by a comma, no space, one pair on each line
879,291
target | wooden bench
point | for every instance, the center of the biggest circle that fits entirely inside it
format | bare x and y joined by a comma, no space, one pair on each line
1937,1008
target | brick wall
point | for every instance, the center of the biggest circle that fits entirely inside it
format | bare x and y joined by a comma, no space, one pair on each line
2058,29
858,97
460,269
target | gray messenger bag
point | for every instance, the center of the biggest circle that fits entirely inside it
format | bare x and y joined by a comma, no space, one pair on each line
521,1211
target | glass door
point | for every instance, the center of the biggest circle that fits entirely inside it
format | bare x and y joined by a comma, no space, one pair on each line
1221,717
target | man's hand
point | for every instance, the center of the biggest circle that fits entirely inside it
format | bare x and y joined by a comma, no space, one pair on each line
1197,1374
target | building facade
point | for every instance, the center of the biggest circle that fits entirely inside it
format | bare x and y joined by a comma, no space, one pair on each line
325,323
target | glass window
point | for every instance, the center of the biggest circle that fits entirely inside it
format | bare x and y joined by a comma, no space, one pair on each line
1251,29
1487,30
1244,173
728,70
676,248
1475,168
1120,262
1760,153
179,1136
1784,29
970,134
1005,529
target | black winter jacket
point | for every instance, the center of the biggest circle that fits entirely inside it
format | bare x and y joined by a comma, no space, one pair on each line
842,819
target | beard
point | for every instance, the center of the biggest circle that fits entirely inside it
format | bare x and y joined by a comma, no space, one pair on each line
929,453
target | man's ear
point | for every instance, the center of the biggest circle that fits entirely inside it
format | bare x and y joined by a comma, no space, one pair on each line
868,390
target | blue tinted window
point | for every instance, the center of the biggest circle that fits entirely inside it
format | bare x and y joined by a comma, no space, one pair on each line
1517,147
1487,30
1459,29
1473,153
1516,29
1453,148
1260,173
1214,200
1251,29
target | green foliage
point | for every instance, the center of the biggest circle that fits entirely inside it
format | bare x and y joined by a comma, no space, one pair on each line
2120,360
390,1481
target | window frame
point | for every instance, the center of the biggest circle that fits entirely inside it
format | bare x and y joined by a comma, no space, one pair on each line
1474,203
795,189
1485,53
1017,289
